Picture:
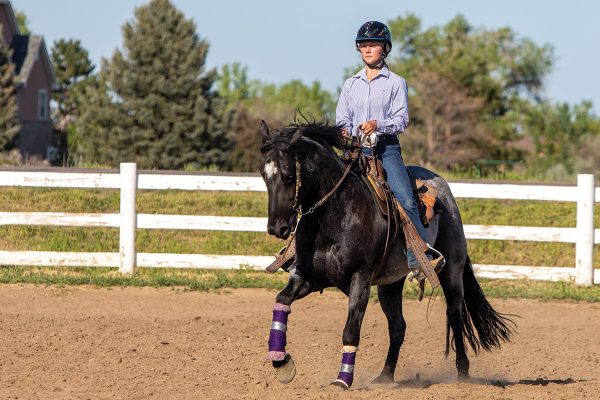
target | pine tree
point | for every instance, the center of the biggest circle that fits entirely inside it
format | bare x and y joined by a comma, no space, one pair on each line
154,102
72,67
9,123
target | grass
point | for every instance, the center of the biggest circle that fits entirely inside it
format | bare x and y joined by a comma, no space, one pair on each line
203,280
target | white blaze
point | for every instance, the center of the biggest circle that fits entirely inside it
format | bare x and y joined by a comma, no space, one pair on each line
270,169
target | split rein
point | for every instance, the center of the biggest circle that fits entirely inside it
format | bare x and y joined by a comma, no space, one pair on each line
297,207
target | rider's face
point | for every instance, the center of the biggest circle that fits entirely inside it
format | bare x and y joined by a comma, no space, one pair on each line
372,52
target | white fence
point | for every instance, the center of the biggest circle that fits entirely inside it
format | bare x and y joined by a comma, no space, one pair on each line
128,181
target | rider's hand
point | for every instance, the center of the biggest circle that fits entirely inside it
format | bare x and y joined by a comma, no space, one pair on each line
368,127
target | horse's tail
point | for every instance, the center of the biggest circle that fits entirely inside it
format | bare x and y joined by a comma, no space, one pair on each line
478,315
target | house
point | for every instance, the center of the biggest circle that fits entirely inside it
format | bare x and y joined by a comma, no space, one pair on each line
35,81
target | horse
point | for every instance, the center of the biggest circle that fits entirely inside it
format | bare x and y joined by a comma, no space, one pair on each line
340,239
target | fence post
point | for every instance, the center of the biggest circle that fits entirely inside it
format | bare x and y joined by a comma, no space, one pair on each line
585,230
127,255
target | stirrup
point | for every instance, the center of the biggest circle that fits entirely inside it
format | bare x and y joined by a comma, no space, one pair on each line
437,264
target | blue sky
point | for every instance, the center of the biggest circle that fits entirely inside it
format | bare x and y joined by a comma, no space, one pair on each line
313,40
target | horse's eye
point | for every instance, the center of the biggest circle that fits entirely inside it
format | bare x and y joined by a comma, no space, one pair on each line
289,179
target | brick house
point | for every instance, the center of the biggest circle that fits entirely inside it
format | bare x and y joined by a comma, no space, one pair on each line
35,81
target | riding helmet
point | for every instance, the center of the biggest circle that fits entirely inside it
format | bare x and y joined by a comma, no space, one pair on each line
374,31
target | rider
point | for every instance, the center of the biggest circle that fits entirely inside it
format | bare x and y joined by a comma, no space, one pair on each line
374,101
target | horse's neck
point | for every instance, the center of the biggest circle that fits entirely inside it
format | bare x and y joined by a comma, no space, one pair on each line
329,172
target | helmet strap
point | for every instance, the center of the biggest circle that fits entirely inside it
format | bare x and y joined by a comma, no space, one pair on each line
379,65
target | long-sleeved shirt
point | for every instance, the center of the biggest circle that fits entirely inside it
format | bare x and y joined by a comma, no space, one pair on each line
384,99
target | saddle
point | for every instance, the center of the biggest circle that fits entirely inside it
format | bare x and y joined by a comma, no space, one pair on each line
425,194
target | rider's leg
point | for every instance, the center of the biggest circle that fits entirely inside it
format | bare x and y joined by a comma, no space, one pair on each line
397,177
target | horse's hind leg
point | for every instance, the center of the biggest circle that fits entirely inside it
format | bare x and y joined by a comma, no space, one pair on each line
451,280
390,298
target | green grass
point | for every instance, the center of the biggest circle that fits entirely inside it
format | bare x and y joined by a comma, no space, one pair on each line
155,277
244,278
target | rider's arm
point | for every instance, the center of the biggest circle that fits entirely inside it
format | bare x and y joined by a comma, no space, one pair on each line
397,121
343,114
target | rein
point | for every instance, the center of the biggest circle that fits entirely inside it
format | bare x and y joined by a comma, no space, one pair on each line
318,204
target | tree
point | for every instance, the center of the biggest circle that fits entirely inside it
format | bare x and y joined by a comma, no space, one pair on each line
153,103
286,100
488,72
72,67
234,85
22,22
253,101
9,122
564,137
446,123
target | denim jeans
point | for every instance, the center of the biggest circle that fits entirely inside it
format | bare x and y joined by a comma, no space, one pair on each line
389,153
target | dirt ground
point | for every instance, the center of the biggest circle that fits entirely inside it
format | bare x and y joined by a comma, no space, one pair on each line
139,343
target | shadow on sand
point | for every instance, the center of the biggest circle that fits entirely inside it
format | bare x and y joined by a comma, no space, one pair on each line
420,383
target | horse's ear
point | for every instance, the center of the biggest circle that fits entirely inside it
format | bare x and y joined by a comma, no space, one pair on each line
264,131
296,137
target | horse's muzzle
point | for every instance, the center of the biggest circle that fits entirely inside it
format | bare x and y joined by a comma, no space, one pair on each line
281,231
282,228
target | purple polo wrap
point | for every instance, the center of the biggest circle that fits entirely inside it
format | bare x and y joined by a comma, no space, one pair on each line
277,339
346,374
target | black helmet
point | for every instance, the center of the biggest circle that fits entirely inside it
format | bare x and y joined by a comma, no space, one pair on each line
375,31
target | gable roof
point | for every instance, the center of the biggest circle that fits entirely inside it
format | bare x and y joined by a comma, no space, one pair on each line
25,53
12,20
21,47
26,50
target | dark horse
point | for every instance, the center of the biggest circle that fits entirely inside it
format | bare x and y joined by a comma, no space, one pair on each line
341,242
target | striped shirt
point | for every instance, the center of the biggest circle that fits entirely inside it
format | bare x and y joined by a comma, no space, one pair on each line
384,99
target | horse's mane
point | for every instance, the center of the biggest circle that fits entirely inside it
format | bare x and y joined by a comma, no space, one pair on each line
328,136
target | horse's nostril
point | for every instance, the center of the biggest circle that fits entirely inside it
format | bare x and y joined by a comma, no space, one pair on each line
284,231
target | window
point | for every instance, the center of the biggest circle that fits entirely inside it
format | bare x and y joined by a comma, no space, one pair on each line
43,104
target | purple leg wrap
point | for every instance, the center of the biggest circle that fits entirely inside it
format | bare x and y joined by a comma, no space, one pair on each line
346,374
277,340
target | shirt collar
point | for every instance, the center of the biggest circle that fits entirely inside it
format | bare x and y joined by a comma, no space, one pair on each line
363,72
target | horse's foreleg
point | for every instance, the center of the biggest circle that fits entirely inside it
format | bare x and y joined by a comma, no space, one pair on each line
390,299
283,362
360,289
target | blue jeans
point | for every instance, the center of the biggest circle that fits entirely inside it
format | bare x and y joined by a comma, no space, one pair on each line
389,153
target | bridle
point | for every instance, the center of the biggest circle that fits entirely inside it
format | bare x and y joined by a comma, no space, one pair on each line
297,207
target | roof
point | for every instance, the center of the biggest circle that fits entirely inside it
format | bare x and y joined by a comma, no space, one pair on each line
25,53
12,20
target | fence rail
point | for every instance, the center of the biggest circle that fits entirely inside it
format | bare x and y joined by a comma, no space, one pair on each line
128,181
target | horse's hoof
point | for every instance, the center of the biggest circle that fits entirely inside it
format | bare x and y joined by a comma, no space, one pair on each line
286,369
341,384
463,376
383,379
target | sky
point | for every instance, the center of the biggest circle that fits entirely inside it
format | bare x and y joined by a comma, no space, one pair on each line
313,40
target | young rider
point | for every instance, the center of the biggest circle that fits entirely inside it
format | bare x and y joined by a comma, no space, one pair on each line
374,102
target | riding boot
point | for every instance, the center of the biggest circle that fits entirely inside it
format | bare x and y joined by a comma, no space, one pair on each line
436,259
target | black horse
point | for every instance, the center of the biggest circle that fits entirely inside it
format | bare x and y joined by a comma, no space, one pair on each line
340,244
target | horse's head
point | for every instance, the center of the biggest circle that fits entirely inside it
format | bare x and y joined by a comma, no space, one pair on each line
278,169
